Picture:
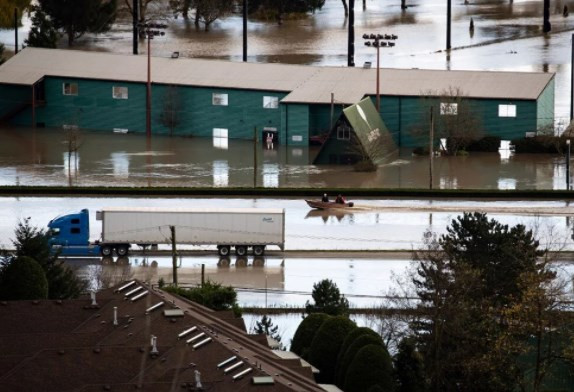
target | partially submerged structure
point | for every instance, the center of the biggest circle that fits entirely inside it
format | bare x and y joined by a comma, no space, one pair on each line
226,100
359,135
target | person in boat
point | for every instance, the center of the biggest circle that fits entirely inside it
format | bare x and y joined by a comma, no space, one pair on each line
325,198
340,200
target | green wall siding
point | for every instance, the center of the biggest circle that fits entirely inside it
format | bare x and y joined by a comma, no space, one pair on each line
12,99
297,124
545,106
320,118
95,108
408,118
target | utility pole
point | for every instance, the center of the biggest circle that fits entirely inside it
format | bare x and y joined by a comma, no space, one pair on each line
244,31
572,81
351,37
431,146
135,24
378,41
150,30
173,255
202,275
332,111
254,157
448,18
15,30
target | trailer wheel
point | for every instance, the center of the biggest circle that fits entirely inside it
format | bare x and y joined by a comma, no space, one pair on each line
122,250
241,250
258,250
106,250
223,250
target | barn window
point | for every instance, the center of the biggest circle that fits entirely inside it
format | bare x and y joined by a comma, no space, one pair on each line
270,102
344,132
70,88
448,109
506,110
120,92
219,99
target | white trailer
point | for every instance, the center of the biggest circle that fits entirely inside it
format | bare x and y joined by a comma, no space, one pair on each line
240,228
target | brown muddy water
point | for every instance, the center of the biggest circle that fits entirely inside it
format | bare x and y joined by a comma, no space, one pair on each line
41,157
506,37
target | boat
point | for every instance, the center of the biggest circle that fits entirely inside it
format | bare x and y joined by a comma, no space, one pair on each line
322,205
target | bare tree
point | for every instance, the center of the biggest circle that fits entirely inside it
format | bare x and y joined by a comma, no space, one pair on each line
455,119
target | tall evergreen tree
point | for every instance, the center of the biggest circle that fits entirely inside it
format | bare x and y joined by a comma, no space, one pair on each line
43,33
328,299
77,17
33,242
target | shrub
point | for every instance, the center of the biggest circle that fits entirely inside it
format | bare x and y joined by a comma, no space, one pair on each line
326,345
540,145
409,367
349,339
351,352
421,151
486,144
371,369
306,332
23,278
212,295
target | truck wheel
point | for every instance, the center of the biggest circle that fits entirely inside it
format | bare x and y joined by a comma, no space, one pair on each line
122,250
258,250
241,250
106,250
223,250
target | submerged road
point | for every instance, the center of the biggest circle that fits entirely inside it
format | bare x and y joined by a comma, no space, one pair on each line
386,225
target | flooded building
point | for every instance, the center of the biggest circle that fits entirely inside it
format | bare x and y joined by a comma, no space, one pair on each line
277,103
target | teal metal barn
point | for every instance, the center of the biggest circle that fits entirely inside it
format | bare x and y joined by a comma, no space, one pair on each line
221,99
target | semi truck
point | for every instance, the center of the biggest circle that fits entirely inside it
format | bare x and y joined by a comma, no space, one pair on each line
240,229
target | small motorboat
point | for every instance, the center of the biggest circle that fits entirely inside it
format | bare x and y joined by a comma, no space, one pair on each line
322,205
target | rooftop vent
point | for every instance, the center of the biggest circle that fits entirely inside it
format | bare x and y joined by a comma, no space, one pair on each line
367,65
265,380
228,360
233,367
133,291
154,307
241,374
141,295
204,341
186,332
193,339
175,55
173,313
126,286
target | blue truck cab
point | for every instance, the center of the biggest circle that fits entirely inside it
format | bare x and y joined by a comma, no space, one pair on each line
70,235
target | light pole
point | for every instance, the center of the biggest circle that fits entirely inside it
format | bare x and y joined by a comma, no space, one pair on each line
568,166
379,41
149,31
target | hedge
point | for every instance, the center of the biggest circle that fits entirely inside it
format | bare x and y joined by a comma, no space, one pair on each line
371,369
351,353
305,333
326,345
350,339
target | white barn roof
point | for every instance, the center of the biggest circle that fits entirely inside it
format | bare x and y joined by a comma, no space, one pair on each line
303,84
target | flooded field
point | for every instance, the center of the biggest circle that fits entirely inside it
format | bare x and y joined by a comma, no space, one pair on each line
506,37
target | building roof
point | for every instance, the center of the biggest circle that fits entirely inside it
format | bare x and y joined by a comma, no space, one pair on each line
303,84
73,345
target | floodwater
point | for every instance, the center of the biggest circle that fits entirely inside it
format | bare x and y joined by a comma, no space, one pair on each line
380,228
41,157
506,37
